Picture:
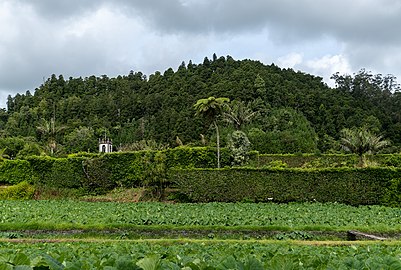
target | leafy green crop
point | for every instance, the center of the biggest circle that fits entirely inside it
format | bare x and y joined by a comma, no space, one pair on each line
203,255
294,216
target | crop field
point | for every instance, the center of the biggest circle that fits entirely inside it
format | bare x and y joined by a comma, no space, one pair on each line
197,255
76,214
106,235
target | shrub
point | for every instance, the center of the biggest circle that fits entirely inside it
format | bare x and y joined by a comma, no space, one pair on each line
392,160
196,157
15,171
57,172
155,174
308,160
21,191
41,167
97,176
345,185
277,164
392,197
239,146
127,169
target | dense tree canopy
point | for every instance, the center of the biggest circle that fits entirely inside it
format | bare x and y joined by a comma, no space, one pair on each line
134,107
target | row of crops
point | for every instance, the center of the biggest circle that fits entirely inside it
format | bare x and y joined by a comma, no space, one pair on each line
109,235
197,255
79,214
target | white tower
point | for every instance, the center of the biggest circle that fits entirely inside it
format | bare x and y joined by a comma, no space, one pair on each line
105,145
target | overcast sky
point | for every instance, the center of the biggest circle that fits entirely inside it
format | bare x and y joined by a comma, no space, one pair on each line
95,37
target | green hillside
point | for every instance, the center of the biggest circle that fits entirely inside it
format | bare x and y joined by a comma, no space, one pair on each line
296,112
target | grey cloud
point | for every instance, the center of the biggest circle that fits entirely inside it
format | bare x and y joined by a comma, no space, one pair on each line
60,9
345,19
368,20
175,30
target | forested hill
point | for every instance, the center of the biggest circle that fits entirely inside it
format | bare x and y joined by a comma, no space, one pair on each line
292,106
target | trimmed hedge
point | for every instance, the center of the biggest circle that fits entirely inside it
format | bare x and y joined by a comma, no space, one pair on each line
323,161
345,185
21,191
196,157
57,172
102,172
15,171
128,169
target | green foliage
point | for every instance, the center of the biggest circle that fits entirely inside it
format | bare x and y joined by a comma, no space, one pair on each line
285,131
361,141
11,146
41,167
81,139
309,160
49,132
97,175
296,235
21,191
16,147
211,108
143,145
30,149
65,173
276,164
134,107
196,157
74,214
238,114
344,185
128,169
155,176
392,197
324,162
192,255
392,160
15,171
239,146
57,172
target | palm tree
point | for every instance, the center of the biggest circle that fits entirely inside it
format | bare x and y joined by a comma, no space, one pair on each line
211,108
49,130
239,114
361,141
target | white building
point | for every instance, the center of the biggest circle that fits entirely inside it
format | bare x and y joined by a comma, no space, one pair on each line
105,145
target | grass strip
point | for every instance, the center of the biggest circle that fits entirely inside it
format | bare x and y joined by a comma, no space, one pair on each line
184,241
102,227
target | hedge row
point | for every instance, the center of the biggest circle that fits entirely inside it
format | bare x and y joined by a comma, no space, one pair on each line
323,161
346,185
15,171
105,171
97,172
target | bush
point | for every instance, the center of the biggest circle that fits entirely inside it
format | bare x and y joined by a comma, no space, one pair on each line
57,172
307,160
196,157
345,185
97,176
239,146
127,169
392,160
41,167
392,197
15,171
277,164
21,191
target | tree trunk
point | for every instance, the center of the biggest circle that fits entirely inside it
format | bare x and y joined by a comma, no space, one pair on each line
218,144
362,161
